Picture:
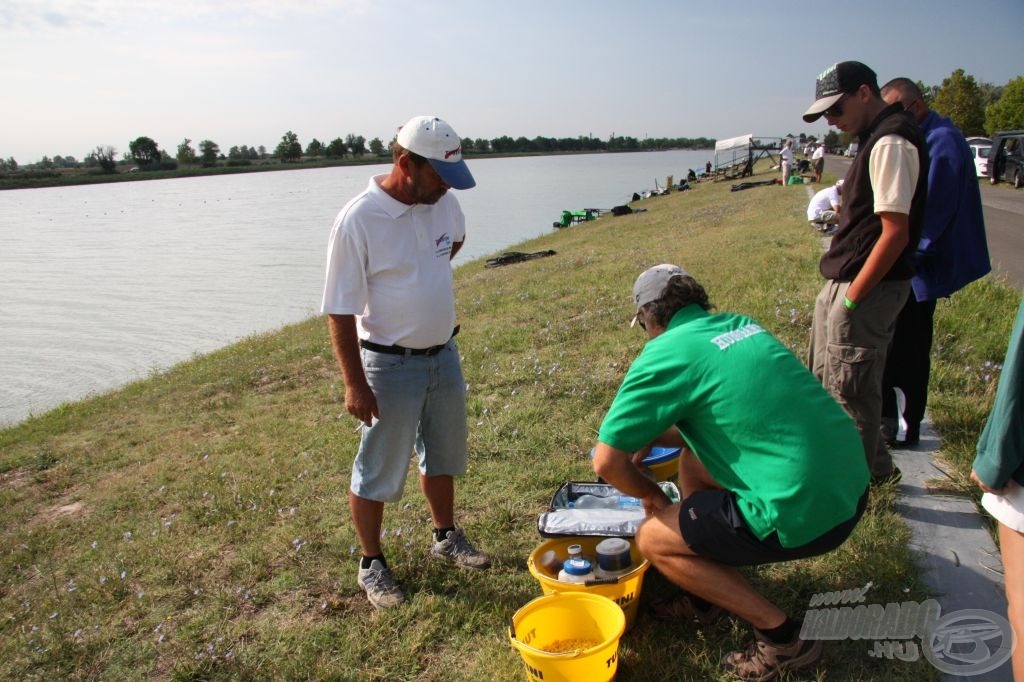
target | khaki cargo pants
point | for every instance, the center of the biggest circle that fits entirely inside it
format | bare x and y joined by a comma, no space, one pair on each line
847,355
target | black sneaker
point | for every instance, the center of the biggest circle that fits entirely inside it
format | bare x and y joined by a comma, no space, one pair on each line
893,477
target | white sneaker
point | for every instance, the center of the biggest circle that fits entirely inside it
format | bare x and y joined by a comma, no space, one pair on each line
457,549
380,587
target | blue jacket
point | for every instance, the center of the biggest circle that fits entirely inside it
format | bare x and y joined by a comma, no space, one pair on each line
953,251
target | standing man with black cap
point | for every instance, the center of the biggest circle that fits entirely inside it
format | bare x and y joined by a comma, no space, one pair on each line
391,315
869,262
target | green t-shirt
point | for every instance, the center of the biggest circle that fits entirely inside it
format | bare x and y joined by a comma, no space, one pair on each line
753,414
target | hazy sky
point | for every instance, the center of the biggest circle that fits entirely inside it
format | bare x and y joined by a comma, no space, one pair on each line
75,74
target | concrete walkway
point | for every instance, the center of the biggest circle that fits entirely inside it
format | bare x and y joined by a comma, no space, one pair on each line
959,560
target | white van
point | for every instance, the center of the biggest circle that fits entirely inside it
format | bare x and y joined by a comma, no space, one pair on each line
852,149
980,147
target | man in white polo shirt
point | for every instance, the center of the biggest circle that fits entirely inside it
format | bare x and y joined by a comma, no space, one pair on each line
818,161
823,208
391,315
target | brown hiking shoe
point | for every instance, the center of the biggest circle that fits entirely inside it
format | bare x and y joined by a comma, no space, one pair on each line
763,660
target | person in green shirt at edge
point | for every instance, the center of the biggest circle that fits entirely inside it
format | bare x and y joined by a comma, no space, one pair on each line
771,467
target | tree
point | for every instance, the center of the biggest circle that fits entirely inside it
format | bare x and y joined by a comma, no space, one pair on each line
103,156
289,149
144,151
831,139
1008,112
356,144
990,94
186,154
315,148
208,151
336,149
377,147
482,145
928,93
959,98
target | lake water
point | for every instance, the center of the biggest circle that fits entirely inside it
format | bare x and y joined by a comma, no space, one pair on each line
104,284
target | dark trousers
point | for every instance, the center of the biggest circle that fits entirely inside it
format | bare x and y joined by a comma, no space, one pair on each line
908,363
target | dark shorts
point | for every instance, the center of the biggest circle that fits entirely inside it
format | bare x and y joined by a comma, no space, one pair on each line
713,527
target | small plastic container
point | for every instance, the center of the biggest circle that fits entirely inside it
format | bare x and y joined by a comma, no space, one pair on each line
613,554
576,571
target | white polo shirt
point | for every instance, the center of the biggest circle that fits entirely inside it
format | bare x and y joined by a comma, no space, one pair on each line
389,264
824,200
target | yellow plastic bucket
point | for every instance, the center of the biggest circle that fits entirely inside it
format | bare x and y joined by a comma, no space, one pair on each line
663,463
568,637
624,590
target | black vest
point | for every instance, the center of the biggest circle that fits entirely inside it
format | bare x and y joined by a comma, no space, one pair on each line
859,227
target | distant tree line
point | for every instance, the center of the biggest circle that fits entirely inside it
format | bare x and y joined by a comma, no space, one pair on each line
975,107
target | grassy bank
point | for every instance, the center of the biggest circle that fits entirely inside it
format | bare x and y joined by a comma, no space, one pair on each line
195,525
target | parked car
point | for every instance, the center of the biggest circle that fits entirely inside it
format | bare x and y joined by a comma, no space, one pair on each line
980,147
1006,158
852,149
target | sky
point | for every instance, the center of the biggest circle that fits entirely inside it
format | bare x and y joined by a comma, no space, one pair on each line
77,74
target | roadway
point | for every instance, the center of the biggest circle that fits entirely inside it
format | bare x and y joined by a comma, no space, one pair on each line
1003,208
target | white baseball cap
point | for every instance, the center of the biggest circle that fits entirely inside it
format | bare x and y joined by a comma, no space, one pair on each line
651,283
437,142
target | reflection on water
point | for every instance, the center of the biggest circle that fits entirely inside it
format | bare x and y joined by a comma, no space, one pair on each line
104,284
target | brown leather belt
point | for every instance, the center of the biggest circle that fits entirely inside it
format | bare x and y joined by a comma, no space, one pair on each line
402,350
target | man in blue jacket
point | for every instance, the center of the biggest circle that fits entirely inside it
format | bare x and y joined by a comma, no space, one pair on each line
952,253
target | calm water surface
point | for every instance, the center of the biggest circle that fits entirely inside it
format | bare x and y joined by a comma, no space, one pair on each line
101,285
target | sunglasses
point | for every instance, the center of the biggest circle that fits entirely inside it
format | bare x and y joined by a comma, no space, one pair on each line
836,110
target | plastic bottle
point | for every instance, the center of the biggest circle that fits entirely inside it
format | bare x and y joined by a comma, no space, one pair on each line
595,502
576,571
626,502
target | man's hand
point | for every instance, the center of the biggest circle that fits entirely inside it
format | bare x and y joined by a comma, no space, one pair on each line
655,502
359,399
981,484
361,403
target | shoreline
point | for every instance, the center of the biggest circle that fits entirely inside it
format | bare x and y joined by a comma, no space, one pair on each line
76,177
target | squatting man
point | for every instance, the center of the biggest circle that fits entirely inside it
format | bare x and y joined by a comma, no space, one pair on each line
766,475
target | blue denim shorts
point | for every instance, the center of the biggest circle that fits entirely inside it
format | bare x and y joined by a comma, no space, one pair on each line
422,404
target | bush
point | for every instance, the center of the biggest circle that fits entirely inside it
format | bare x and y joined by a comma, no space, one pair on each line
165,165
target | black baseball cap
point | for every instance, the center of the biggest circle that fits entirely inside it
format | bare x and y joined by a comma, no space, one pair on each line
835,82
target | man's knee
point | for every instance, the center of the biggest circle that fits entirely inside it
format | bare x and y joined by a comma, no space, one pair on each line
644,540
659,537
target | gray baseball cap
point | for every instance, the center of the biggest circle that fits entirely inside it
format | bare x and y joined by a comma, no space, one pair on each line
651,283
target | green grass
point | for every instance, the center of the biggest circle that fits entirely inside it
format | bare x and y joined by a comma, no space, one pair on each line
195,525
